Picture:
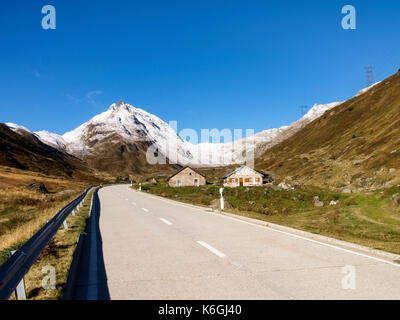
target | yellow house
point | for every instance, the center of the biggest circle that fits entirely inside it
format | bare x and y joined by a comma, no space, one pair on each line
243,177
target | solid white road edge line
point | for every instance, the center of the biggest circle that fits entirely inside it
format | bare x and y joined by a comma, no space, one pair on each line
166,221
212,249
283,232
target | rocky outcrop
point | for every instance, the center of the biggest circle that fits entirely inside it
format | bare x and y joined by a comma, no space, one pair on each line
38,187
317,202
396,199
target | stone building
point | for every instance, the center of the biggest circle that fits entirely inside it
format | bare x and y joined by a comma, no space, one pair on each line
186,177
243,177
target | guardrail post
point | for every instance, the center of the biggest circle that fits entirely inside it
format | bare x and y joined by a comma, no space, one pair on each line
20,292
73,212
65,224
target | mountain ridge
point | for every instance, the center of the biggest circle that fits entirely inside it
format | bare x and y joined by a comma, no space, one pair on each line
355,146
120,139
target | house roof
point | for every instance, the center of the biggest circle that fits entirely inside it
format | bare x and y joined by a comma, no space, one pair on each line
240,168
184,169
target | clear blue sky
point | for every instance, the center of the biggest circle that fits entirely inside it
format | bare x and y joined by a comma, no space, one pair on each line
206,64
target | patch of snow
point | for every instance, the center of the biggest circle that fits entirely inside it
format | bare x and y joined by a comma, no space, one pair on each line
359,93
16,127
52,139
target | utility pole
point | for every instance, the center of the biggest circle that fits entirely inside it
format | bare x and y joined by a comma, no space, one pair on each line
369,75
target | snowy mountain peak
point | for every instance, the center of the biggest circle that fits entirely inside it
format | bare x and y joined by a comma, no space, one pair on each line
125,125
120,104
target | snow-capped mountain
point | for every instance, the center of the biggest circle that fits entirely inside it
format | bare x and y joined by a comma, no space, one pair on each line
17,127
53,139
123,129
49,138
123,121
133,124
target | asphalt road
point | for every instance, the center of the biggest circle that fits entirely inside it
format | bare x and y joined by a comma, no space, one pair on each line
156,248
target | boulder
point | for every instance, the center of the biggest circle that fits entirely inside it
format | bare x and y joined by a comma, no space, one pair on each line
396,199
274,187
334,203
317,202
285,186
38,187
346,191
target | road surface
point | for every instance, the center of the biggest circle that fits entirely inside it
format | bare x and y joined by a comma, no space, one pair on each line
156,248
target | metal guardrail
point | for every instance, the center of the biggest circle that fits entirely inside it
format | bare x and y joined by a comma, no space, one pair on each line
15,268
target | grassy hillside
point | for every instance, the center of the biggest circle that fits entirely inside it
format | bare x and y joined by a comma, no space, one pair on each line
24,211
355,145
22,150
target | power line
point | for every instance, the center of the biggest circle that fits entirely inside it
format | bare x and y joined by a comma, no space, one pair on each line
369,75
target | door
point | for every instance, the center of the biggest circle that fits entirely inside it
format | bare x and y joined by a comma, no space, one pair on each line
196,182
241,182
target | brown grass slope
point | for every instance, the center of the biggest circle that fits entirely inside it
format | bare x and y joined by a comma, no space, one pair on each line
26,152
356,144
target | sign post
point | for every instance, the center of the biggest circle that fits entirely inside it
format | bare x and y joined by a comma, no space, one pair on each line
221,190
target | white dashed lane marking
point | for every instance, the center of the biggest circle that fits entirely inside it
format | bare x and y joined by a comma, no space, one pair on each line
166,221
212,249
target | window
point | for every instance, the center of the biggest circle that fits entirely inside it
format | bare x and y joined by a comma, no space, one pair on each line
258,179
237,180
246,180
251,180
